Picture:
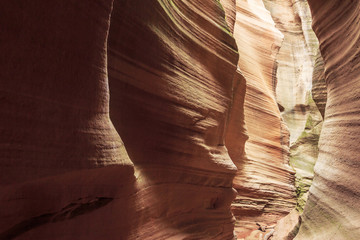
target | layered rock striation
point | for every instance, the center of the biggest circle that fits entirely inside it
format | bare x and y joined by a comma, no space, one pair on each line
264,181
171,70
166,76
332,210
295,74
164,73
295,61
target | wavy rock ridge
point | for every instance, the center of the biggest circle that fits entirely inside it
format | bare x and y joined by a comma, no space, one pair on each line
264,180
295,65
65,173
332,210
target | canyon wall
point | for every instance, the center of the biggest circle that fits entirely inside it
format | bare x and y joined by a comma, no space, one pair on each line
295,61
332,210
164,71
166,76
295,70
171,70
265,182
61,158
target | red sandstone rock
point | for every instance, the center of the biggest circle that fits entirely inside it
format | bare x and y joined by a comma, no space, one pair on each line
230,12
264,180
64,171
54,90
287,227
171,67
295,65
60,155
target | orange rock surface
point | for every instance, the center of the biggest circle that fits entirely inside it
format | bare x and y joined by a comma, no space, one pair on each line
163,72
264,181
171,70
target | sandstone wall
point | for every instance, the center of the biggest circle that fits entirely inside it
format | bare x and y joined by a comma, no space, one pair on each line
171,70
332,211
164,74
295,62
264,181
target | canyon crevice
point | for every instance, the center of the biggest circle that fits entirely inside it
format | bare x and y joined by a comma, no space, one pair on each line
179,119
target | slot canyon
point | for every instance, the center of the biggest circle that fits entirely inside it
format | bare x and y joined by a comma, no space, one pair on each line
180,119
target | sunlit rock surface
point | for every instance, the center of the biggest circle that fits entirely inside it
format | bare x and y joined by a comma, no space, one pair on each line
169,67
295,65
264,181
295,61
333,208
166,76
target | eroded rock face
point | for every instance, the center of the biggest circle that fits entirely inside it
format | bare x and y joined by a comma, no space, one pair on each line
60,156
304,153
332,210
172,71
264,180
295,61
55,116
318,91
295,65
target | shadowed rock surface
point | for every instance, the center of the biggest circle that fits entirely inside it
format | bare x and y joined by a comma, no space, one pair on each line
171,66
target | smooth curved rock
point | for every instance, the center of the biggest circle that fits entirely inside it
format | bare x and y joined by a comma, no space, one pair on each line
58,146
65,173
236,134
295,65
295,61
304,153
332,210
171,70
264,180
54,90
